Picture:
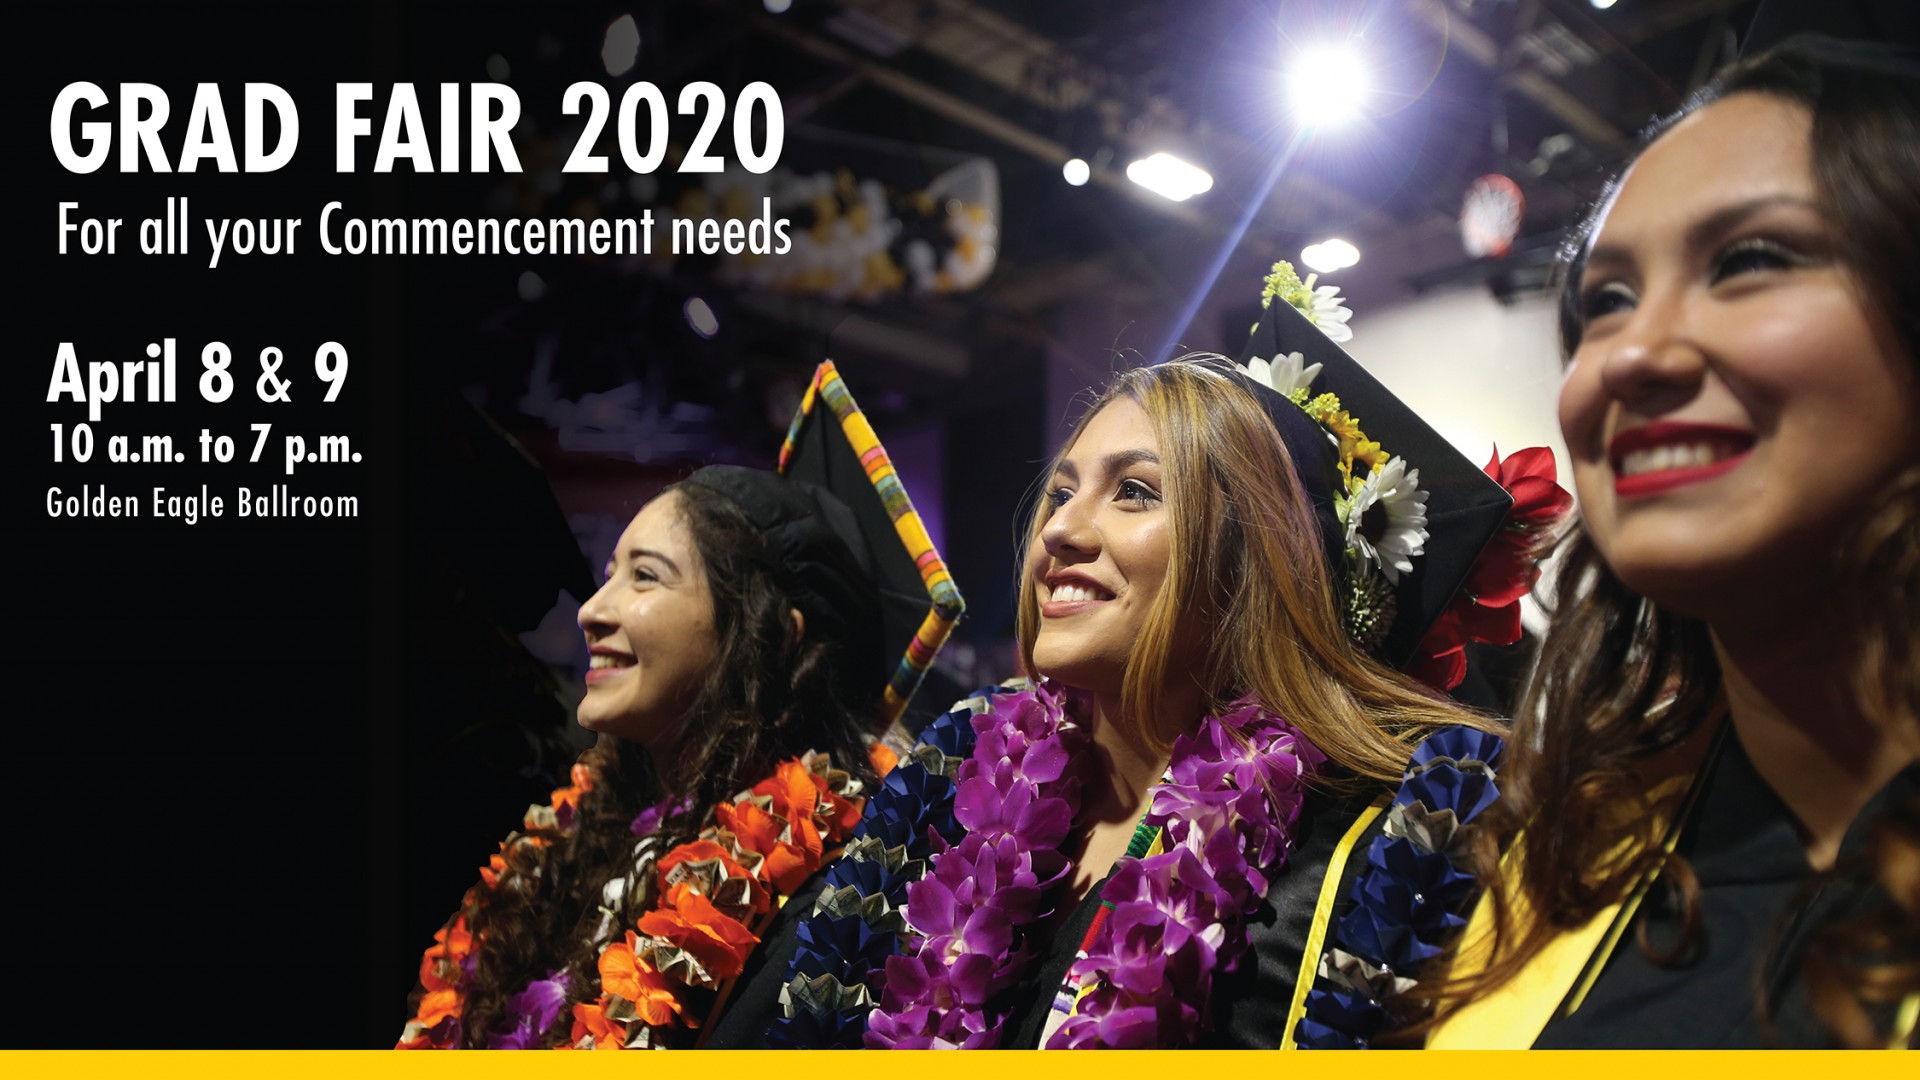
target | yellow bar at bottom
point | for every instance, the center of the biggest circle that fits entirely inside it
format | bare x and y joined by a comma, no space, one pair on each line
1463,1065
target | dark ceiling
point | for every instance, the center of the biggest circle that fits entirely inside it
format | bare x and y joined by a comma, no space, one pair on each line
1548,92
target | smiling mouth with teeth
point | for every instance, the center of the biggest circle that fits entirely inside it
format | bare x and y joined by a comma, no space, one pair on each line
602,666
1070,593
1662,456
605,665
1683,456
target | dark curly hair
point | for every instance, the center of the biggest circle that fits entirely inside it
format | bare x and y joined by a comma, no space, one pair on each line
768,698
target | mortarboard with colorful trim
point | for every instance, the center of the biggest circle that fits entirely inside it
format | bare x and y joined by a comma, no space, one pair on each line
831,445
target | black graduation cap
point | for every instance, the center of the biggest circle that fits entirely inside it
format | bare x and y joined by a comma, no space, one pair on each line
1465,507
830,444
857,557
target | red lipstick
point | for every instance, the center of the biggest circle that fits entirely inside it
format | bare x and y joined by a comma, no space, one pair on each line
1666,454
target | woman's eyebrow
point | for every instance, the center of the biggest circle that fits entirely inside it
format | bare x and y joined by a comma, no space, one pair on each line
1124,459
1603,256
1112,463
649,553
1708,230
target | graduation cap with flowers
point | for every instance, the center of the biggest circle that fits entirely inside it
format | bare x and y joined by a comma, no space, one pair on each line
853,551
1428,550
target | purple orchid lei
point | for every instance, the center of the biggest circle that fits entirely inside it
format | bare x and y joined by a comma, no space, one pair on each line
531,1012
839,970
648,821
1016,797
1230,806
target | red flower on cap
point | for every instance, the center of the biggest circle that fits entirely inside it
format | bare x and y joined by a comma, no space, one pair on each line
1488,605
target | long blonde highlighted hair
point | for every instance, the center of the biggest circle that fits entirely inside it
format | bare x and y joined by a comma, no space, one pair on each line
1246,562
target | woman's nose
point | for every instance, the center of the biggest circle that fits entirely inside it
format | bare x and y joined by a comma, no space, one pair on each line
1654,364
1071,532
593,617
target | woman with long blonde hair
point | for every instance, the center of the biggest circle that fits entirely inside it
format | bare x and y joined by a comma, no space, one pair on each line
1220,579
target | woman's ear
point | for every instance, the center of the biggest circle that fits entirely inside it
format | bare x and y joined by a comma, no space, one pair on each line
797,624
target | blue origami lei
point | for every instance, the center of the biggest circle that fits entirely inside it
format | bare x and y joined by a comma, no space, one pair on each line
836,977
1409,899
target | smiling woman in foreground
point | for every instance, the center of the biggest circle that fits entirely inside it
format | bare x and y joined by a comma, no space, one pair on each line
1713,818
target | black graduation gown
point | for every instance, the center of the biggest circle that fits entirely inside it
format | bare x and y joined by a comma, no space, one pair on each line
755,1002
1738,983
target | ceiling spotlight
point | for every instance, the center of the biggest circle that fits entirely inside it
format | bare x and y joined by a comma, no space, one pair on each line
622,46
1077,171
776,7
1169,177
1604,4
701,318
1328,85
1330,255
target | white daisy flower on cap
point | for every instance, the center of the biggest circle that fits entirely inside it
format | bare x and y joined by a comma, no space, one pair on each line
1386,518
1330,313
1284,373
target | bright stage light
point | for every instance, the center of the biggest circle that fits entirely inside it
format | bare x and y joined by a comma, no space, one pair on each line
1076,171
1604,4
1328,85
1169,177
1330,255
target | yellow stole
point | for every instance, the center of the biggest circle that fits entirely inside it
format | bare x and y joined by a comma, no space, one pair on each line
1557,980
1323,917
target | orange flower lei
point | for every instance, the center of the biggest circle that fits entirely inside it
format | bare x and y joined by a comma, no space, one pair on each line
711,894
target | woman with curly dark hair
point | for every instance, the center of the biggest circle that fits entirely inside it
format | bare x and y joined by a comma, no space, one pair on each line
744,654
1711,828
